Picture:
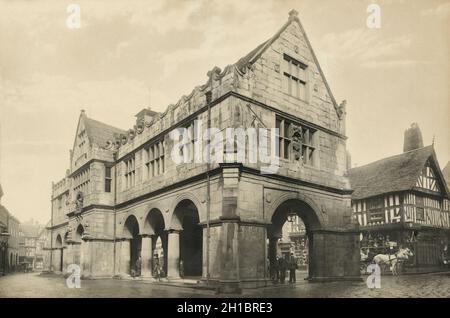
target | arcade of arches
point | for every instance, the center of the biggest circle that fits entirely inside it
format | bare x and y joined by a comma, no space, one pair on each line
241,253
154,251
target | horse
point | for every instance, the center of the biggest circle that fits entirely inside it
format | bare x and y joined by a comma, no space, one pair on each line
392,260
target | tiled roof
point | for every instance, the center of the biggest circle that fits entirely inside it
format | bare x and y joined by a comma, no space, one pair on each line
392,174
99,133
244,61
3,215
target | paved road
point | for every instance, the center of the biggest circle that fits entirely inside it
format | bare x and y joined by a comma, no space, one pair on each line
34,285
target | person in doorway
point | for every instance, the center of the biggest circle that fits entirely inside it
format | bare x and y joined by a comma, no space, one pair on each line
138,266
181,268
282,266
292,267
156,268
275,271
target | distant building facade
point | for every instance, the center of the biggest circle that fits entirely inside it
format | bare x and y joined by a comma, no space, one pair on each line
42,244
404,200
31,252
9,240
295,241
124,197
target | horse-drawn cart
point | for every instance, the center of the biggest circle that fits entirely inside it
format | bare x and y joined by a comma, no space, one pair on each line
367,255
389,259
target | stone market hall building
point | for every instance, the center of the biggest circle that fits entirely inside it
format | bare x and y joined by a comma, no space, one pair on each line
124,198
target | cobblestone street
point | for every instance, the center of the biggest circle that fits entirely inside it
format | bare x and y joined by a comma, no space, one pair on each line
33,285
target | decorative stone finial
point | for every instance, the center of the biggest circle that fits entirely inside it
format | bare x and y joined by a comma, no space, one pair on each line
293,14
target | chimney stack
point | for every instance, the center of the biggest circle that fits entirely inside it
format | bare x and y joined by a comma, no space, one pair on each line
145,115
348,160
413,138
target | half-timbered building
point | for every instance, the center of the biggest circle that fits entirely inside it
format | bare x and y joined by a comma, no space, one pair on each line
403,200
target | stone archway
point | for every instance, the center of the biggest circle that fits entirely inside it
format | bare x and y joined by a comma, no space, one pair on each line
131,247
78,246
154,245
185,246
286,211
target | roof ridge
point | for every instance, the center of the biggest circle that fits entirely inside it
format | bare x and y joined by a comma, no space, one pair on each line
392,157
391,174
105,124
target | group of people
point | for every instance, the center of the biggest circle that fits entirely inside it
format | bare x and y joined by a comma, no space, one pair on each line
158,271
280,266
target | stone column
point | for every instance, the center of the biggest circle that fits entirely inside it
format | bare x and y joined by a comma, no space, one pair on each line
47,265
67,256
173,259
146,255
76,253
229,281
86,258
334,255
273,241
57,259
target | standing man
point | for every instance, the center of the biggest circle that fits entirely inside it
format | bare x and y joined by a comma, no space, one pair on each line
292,268
181,268
275,271
156,268
138,265
282,265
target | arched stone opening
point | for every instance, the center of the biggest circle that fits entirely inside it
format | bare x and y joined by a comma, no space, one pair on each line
77,246
294,242
59,255
154,245
185,241
79,233
133,241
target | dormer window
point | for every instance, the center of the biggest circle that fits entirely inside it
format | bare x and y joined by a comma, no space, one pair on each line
294,77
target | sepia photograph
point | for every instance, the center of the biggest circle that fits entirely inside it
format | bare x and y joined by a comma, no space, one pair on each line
250,150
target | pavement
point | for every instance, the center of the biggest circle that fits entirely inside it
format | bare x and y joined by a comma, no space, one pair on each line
24,285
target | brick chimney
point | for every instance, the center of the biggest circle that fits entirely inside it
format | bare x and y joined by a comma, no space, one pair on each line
413,138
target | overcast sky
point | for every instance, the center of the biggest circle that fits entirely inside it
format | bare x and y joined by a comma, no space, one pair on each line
130,54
